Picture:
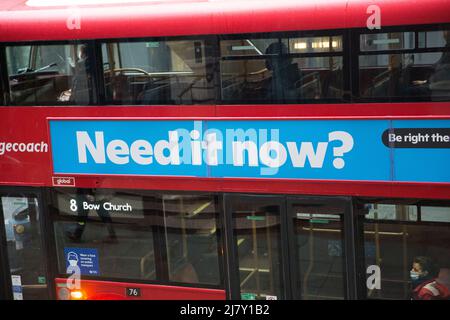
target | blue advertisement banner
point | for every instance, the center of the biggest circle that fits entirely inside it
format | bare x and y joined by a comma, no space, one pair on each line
370,150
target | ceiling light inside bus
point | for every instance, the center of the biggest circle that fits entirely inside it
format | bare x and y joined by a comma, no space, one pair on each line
300,45
239,48
386,41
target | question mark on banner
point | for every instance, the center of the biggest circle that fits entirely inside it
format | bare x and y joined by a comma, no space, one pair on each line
347,145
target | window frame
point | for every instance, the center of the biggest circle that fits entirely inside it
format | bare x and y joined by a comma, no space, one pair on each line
361,220
211,39
46,241
93,47
280,36
158,238
357,53
350,65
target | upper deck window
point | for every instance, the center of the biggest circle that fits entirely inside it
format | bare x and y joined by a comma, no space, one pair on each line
281,70
51,74
387,41
158,72
418,67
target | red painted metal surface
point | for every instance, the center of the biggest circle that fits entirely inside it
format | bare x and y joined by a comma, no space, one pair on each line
109,290
30,124
19,22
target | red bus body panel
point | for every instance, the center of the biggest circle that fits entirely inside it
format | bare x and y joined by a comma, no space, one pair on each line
30,124
18,22
109,290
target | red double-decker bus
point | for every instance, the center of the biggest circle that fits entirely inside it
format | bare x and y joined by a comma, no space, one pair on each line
226,149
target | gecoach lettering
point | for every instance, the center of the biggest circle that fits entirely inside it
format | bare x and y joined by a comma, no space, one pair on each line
31,147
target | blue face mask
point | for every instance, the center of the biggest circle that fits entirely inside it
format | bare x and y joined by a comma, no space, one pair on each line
414,275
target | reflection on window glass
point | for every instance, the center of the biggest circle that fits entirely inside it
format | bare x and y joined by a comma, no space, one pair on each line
435,214
245,47
159,72
19,59
275,76
23,244
387,41
434,39
321,78
192,239
257,237
409,253
391,212
117,229
320,251
111,227
51,74
423,75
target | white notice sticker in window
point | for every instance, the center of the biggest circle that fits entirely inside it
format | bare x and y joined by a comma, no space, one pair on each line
16,282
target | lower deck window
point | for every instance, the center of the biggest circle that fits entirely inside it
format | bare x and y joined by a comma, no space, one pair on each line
138,236
400,238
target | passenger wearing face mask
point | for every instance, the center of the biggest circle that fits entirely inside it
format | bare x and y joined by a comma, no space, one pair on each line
424,284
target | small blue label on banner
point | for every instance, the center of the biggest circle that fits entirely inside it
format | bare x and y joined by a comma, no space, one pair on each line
85,258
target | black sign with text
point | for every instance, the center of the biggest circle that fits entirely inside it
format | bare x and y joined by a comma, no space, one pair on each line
417,138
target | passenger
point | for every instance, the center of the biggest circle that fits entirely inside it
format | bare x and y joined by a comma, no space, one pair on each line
399,81
425,285
284,82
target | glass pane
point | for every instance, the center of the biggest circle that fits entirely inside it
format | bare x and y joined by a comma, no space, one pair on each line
319,244
435,214
425,75
19,60
434,39
393,248
391,212
159,72
245,80
282,79
257,237
23,243
315,44
387,41
321,78
112,228
192,238
247,47
51,75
